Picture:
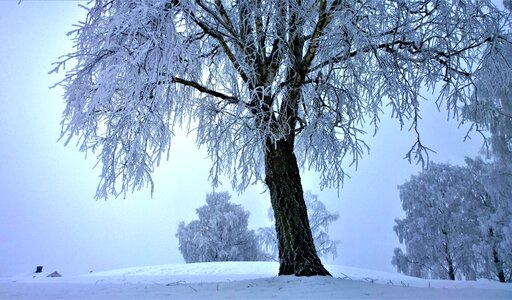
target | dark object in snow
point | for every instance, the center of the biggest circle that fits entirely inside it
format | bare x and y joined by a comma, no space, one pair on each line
39,269
54,274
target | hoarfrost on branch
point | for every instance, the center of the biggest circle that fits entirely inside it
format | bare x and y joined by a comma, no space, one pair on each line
240,73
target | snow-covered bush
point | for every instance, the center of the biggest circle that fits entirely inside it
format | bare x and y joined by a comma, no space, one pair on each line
220,234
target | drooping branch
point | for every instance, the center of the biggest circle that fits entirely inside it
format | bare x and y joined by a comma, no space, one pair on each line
314,67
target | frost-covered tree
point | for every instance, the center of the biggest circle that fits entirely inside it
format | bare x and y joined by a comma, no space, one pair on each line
493,207
319,219
492,106
437,232
457,223
267,87
407,266
220,234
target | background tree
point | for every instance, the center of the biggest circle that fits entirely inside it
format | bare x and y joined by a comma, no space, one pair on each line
288,83
492,105
494,214
438,236
220,234
456,223
319,219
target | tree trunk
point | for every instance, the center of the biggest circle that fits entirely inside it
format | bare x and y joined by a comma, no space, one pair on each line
449,261
451,271
496,258
448,256
297,254
499,267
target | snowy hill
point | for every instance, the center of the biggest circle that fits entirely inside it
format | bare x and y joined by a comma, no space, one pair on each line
243,280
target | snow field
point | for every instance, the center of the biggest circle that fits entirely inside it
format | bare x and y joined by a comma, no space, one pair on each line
243,280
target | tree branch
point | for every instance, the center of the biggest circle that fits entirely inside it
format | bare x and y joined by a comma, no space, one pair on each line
217,35
203,89
324,18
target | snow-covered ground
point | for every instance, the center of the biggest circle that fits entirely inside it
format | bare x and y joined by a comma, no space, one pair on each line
242,280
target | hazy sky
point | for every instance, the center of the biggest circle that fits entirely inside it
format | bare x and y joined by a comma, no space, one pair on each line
47,212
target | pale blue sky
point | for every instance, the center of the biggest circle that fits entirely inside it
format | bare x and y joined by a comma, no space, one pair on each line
47,213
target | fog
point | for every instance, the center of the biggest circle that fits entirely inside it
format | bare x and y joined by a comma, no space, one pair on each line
48,215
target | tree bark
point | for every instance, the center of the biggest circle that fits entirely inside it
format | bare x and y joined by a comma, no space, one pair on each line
297,254
448,256
498,265
497,262
451,270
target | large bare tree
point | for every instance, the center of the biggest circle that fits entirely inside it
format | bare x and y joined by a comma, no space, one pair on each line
268,87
